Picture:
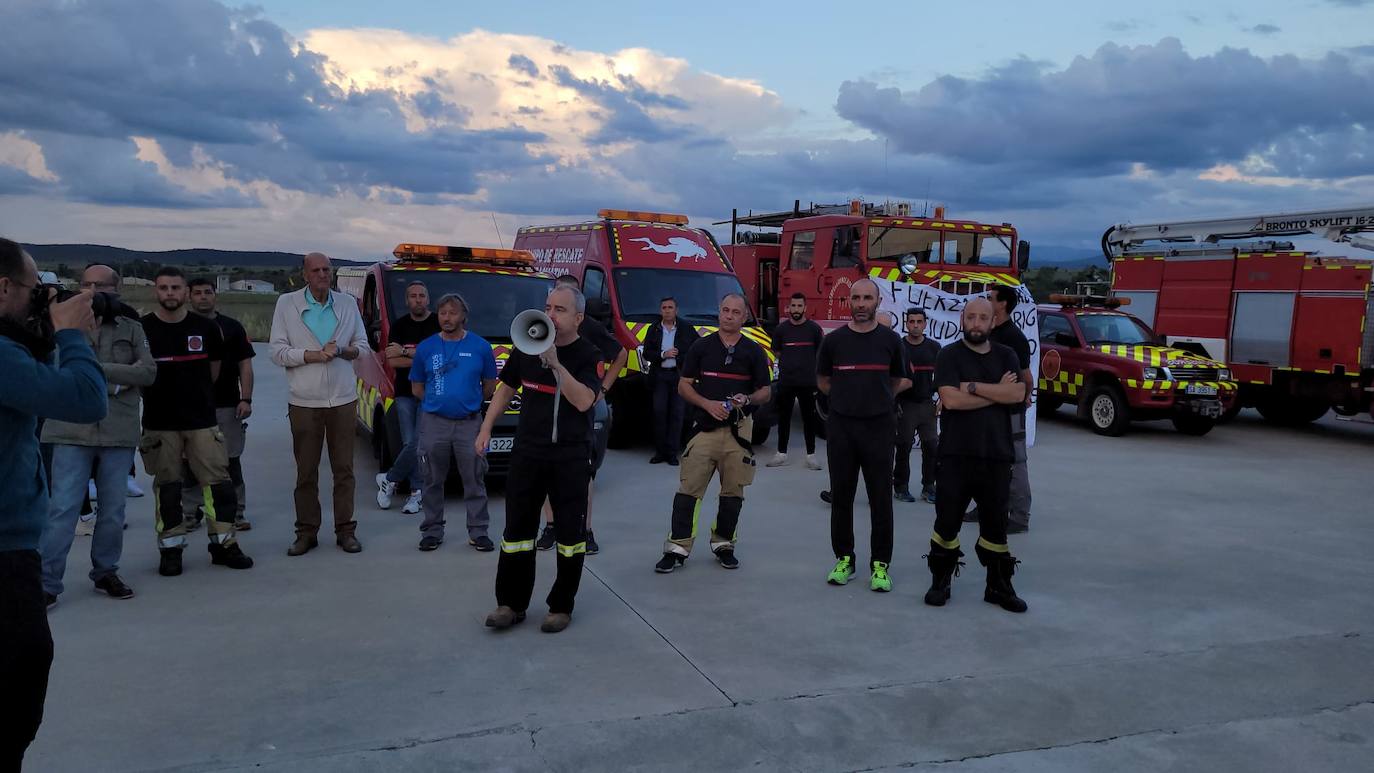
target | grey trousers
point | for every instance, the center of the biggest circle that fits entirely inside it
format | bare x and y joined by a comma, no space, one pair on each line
443,442
1019,502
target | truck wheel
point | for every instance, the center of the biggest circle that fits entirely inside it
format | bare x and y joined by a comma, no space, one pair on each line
1194,425
1287,411
1108,413
1046,406
1230,414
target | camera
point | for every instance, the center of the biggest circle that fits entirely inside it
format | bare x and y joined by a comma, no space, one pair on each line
103,304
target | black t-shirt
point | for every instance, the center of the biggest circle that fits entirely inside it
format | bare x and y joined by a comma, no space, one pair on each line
182,398
861,367
795,347
597,335
1010,336
920,360
408,332
534,432
237,348
716,379
984,433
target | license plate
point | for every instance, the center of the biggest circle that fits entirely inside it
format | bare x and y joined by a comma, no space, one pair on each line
1200,389
501,444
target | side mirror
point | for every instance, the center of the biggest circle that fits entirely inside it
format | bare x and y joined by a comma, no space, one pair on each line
596,309
1023,256
1066,339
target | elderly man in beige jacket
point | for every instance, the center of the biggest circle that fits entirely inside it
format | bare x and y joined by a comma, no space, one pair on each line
316,333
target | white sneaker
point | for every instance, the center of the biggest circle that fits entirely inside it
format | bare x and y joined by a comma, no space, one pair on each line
811,463
90,489
385,489
412,505
85,525
778,460
133,488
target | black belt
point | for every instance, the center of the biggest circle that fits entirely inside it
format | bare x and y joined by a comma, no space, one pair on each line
468,417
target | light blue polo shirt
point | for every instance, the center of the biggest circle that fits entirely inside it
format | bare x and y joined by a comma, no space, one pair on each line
453,372
320,317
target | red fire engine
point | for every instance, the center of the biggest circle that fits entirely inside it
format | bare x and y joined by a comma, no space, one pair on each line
822,250
1291,324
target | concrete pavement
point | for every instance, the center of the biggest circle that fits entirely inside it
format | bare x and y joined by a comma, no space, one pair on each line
1195,604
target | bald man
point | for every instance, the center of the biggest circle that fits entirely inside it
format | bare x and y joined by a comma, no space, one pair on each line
979,385
316,334
861,368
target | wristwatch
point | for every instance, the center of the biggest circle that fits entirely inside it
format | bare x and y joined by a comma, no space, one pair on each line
973,387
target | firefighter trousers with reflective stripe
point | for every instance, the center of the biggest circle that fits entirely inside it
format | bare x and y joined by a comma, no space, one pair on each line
562,478
960,479
706,453
852,446
204,452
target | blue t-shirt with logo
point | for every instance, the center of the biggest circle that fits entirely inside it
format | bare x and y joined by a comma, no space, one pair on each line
453,372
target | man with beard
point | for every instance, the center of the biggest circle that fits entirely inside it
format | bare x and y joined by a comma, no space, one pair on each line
861,368
917,411
233,399
179,422
551,460
107,446
404,335
32,388
795,343
978,385
723,377
450,374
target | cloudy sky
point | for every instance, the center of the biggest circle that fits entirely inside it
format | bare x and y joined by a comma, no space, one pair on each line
351,125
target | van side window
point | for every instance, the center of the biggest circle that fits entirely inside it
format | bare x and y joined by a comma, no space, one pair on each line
803,250
844,251
1052,324
595,289
370,322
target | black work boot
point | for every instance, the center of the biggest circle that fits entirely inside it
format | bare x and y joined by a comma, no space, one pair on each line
230,555
170,563
1000,566
944,565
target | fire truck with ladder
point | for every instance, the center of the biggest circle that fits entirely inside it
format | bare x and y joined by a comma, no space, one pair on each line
821,250
1292,324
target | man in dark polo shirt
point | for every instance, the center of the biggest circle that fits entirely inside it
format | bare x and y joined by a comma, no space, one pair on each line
978,385
724,377
795,343
861,368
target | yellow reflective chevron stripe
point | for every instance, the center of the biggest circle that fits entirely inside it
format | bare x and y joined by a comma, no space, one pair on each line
993,546
568,551
518,547
946,544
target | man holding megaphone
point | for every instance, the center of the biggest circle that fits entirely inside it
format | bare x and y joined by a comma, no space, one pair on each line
556,372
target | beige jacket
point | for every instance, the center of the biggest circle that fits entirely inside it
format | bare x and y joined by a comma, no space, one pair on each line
317,384
122,350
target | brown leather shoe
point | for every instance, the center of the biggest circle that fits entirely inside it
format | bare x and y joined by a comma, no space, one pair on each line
555,622
504,617
302,545
350,544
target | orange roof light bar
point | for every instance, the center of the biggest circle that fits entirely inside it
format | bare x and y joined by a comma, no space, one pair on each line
642,217
1089,300
439,253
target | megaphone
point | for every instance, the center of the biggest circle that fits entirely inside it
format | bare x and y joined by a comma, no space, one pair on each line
532,332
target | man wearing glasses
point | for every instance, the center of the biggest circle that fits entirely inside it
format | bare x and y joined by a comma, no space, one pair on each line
724,377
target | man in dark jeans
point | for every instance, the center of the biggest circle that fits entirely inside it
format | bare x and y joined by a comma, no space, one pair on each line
666,342
795,343
31,388
916,408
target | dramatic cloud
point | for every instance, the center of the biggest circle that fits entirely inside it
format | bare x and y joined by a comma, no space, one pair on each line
1265,29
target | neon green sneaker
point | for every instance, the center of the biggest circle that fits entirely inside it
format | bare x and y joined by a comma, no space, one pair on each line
880,581
844,569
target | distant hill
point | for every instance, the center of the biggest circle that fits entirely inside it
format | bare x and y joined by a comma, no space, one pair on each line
1063,257
81,254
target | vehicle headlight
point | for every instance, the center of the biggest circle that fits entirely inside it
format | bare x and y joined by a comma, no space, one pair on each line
1157,374
1224,374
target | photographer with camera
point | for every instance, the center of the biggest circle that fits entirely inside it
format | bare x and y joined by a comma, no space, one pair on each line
107,445
31,387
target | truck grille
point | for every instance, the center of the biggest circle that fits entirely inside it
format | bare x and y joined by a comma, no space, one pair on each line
1194,374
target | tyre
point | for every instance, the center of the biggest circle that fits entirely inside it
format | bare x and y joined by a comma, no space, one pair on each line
1194,425
1108,413
1287,411
1230,414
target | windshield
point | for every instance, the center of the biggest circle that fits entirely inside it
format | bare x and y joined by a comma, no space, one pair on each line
891,243
1114,329
697,293
493,299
